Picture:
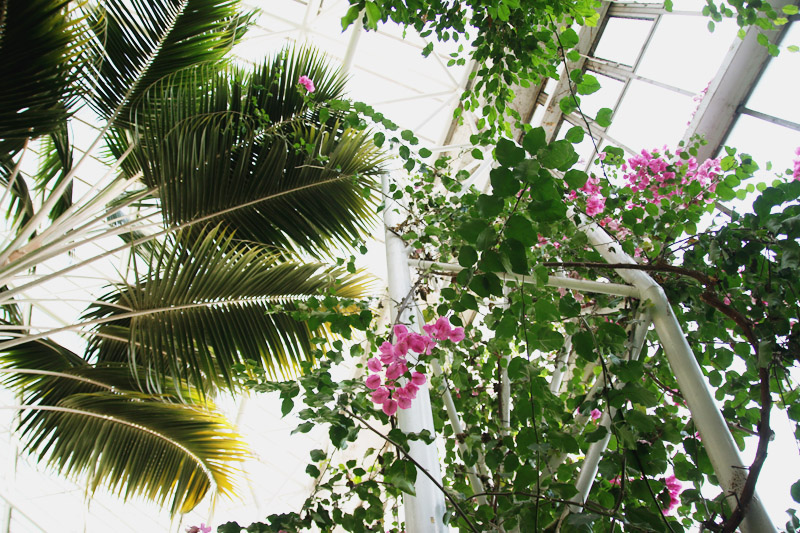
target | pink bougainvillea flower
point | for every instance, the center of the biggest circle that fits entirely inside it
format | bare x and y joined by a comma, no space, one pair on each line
390,407
306,82
380,395
411,390
595,414
594,205
396,370
457,334
674,487
727,299
202,529
375,364
373,381
796,169
418,378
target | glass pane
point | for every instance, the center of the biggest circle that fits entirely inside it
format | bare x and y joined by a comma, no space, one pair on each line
776,92
625,50
650,117
669,57
607,96
766,142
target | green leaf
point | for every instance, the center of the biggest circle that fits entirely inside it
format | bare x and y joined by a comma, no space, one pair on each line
588,85
791,9
568,38
508,153
373,15
575,134
795,491
503,182
534,140
576,178
467,256
471,229
557,155
489,206
569,103
477,153
583,342
520,228
603,117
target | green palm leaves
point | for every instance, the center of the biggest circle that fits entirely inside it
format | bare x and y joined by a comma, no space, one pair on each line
91,420
245,174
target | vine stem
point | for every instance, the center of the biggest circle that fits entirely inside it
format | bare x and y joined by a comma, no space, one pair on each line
419,467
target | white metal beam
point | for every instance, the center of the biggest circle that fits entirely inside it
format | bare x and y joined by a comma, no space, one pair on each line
735,79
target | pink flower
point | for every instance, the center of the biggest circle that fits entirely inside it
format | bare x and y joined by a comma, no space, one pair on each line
675,488
727,299
396,370
375,364
418,378
380,395
595,414
403,401
373,381
796,169
594,205
306,82
411,390
202,529
390,407
457,335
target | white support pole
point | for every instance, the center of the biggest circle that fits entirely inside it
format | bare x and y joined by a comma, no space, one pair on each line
424,512
600,287
728,465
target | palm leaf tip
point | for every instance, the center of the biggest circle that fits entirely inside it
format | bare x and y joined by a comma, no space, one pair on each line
172,454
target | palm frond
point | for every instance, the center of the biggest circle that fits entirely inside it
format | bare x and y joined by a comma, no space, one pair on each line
88,421
208,149
208,304
41,42
56,160
145,40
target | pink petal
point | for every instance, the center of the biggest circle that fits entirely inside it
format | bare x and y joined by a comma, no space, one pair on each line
375,364
390,407
373,381
380,395
418,378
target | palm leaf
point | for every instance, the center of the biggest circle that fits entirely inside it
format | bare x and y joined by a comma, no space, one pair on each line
56,160
293,184
145,40
88,421
40,46
208,304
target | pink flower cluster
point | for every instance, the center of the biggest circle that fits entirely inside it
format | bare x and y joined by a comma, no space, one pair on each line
595,201
675,488
393,363
202,529
306,82
796,169
662,178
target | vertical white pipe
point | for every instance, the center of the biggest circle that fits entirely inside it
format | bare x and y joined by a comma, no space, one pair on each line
350,53
719,444
423,512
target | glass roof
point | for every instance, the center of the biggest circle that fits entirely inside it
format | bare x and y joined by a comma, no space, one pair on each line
654,68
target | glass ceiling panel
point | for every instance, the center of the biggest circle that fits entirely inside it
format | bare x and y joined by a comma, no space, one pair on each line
766,142
624,51
691,61
775,94
650,116
607,96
